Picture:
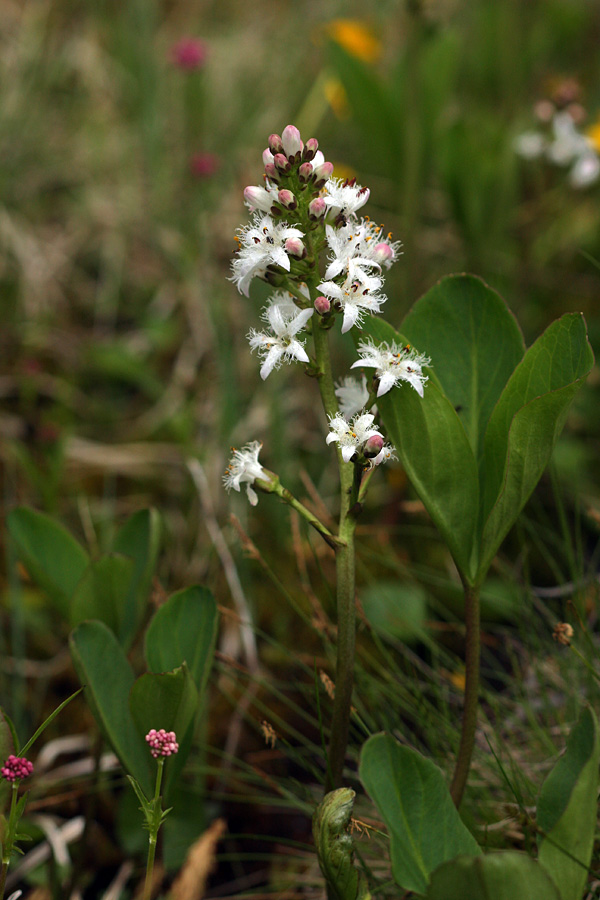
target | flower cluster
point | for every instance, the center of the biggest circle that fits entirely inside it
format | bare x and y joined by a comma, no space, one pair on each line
16,767
161,742
307,239
561,139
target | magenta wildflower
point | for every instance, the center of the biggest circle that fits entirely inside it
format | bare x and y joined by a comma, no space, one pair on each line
162,743
16,767
189,54
204,165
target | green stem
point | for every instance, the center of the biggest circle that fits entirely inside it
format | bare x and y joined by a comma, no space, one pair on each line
316,523
469,717
9,838
153,836
345,581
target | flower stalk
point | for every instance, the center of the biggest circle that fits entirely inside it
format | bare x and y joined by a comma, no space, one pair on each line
471,700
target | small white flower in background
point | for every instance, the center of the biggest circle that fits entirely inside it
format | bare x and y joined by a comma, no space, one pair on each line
261,244
280,344
352,395
530,144
567,147
357,295
244,468
393,364
344,198
351,435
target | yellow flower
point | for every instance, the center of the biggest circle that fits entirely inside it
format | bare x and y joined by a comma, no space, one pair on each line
593,133
337,98
356,38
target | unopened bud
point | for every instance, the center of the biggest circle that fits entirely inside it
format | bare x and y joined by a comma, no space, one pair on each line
305,171
295,247
281,162
267,157
323,305
271,172
292,142
310,148
382,253
275,144
287,199
258,198
373,446
317,208
323,173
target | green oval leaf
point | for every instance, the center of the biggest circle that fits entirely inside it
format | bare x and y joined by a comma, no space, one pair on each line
474,343
102,591
52,556
435,451
525,424
567,810
139,539
508,875
107,677
184,630
411,794
166,700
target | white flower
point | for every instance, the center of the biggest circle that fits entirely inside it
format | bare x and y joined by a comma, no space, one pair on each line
344,197
352,395
530,144
386,453
351,435
285,320
261,244
393,364
356,296
359,244
586,169
244,468
568,143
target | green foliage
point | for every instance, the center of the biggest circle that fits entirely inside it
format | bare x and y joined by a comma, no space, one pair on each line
335,847
139,539
52,556
497,876
395,609
101,592
411,794
567,810
484,402
190,619
103,668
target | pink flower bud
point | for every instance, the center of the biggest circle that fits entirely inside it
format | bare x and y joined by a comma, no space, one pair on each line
258,198
295,247
189,54
292,142
162,743
322,305
323,172
382,253
287,199
275,144
310,148
281,162
267,157
373,446
16,767
317,208
305,171
271,172
544,110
